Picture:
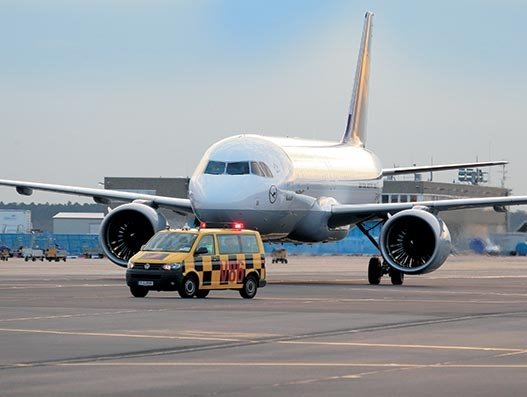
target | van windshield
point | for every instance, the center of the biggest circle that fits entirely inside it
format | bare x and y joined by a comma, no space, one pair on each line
171,242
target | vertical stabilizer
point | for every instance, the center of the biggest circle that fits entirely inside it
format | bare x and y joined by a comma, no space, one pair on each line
355,133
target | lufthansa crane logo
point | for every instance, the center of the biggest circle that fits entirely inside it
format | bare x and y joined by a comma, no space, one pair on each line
273,194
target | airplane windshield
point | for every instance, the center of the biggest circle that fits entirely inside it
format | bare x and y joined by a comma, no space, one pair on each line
215,168
171,242
238,168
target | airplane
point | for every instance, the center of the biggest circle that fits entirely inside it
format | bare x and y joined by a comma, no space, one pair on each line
292,189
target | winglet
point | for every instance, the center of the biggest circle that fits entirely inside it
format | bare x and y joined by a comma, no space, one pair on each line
355,133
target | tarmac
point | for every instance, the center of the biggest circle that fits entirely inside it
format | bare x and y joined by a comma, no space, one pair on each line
316,329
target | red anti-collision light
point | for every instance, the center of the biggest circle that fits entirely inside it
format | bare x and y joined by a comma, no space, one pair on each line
203,225
238,225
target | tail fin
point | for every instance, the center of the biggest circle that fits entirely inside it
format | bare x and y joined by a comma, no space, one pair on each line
355,133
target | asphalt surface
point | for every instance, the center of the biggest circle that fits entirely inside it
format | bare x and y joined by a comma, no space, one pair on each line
317,329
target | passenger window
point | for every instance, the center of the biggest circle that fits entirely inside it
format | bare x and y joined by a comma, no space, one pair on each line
228,244
256,169
208,243
249,244
215,168
238,168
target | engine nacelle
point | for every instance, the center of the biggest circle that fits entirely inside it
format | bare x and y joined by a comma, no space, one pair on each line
415,241
125,229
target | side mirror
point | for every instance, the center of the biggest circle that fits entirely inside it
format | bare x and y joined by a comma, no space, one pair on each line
201,251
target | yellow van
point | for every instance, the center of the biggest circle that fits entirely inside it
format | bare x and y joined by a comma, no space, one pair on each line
196,261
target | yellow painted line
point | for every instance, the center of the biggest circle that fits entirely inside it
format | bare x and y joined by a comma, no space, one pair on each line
402,346
121,335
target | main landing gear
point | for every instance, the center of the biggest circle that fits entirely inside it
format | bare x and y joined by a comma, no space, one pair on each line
376,270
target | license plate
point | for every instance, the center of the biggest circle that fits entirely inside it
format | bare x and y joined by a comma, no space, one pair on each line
145,283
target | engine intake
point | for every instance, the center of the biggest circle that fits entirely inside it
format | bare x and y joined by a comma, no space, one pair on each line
415,241
125,229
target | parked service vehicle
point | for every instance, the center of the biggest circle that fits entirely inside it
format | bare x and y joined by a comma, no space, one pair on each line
196,261
33,254
54,254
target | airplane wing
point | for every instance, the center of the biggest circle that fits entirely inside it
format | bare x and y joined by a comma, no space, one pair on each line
443,167
101,195
346,214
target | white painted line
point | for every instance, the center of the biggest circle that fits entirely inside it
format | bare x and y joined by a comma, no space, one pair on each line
402,346
294,364
121,335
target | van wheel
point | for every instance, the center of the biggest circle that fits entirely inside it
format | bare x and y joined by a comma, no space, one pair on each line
138,292
250,286
189,287
202,293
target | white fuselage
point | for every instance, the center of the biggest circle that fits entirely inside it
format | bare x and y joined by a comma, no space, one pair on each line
305,177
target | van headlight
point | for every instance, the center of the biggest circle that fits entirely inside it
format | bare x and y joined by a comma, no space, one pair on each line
130,265
172,266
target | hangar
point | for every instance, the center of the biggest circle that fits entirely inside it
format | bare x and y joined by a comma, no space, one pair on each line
77,222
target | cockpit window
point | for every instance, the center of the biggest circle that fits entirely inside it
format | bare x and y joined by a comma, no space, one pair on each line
238,168
266,170
215,168
261,169
256,169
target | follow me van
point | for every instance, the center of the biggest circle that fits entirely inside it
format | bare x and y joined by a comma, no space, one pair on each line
196,261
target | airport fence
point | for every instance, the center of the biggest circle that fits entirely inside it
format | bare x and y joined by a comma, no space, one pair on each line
78,244
75,244
354,244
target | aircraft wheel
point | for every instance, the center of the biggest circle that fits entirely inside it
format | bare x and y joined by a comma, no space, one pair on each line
374,271
397,277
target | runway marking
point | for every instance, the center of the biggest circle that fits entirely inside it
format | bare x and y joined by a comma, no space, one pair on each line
402,346
121,335
47,286
230,334
295,364
78,315
392,300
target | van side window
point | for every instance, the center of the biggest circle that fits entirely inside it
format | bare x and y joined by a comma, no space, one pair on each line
207,242
249,244
228,244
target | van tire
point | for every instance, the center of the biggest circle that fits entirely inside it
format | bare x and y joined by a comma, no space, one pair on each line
250,287
138,292
189,287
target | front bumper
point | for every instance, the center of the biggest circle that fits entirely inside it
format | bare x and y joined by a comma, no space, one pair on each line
161,280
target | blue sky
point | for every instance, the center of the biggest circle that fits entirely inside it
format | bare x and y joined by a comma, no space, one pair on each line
124,88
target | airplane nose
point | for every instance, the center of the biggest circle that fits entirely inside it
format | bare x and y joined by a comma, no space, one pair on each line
218,192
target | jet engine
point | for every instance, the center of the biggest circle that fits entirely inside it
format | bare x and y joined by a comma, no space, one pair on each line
415,241
125,229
